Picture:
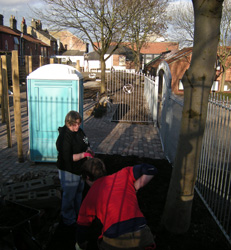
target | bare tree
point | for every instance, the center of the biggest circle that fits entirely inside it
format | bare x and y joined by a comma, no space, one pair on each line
224,50
151,19
181,23
181,29
197,82
101,22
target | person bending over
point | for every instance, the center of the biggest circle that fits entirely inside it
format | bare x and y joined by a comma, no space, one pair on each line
112,199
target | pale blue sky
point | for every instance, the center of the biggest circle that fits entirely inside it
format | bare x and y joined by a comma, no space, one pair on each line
20,9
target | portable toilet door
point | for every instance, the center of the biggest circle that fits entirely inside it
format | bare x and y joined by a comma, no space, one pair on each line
52,91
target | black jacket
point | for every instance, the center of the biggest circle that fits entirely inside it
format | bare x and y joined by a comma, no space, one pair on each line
67,144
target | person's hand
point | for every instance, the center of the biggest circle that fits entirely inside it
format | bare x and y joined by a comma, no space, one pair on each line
86,154
91,152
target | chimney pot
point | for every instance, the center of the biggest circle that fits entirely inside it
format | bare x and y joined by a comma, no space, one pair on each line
1,19
23,26
13,22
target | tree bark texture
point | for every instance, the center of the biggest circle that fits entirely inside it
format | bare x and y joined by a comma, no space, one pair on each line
197,82
103,82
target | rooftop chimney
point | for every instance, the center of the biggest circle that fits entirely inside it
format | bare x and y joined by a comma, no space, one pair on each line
1,19
23,26
36,24
13,23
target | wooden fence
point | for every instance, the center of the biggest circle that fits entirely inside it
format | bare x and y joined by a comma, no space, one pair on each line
12,74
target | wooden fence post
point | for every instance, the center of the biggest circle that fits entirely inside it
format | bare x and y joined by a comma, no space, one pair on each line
78,65
30,64
27,65
52,60
1,93
17,104
41,61
6,101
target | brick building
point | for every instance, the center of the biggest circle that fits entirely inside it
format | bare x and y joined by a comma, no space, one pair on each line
36,31
152,50
121,59
13,39
69,42
178,62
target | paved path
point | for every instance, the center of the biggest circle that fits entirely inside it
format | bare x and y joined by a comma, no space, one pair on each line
105,137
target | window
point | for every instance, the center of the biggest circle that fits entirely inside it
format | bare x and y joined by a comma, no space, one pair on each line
6,45
121,60
215,86
227,86
43,51
218,65
16,41
148,58
54,46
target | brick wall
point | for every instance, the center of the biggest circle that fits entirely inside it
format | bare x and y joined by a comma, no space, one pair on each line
178,69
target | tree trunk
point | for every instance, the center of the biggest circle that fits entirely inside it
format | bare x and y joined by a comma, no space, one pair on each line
197,83
137,67
223,80
103,82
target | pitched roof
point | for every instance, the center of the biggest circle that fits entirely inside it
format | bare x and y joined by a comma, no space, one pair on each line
122,50
7,30
60,34
92,56
34,40
152,47
46,34
158,47
169,57
179,54
73,53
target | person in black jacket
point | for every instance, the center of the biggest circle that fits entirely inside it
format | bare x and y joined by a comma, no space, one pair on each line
73,150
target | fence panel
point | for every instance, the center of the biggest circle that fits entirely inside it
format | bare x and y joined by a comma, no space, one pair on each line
151,95
214,173
128,92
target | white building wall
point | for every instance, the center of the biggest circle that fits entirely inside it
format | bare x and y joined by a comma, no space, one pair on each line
94,65
74,59
109,62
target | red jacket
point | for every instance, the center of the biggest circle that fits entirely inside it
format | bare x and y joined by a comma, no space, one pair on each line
112,199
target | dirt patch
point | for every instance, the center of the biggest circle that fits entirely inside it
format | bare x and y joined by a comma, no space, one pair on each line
202,234
91,93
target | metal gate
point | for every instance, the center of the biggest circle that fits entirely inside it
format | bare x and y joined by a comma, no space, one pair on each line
127,93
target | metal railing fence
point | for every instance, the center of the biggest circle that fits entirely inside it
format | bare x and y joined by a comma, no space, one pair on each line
127,91
214,174
214,171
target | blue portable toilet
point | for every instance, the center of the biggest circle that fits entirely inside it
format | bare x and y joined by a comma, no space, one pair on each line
52,91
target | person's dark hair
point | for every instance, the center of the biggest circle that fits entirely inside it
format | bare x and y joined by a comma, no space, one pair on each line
71,118
94,168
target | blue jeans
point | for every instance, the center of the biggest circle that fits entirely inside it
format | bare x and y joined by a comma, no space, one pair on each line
72,187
